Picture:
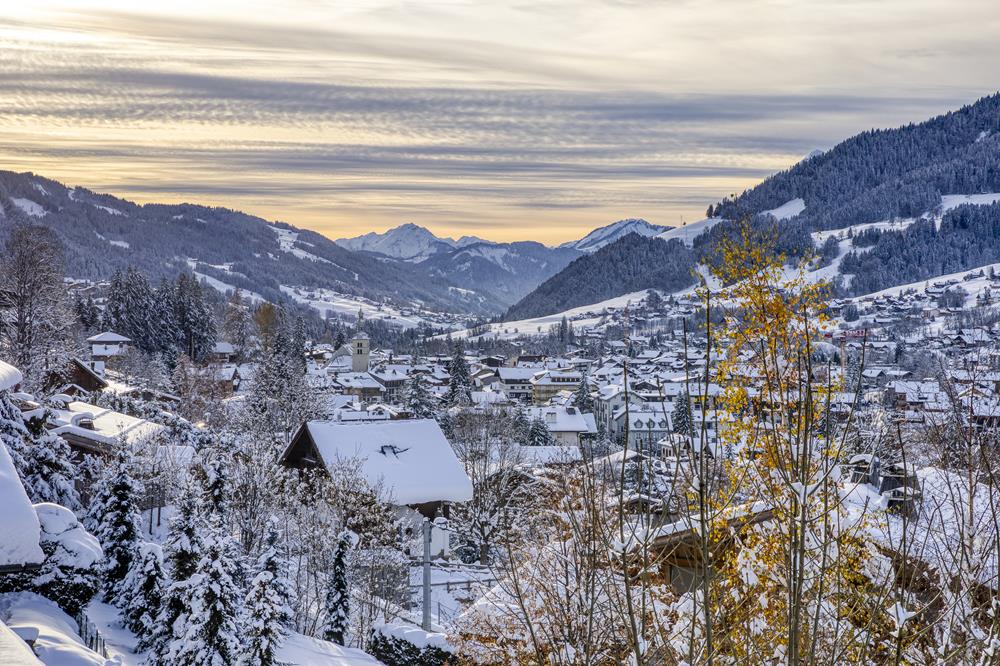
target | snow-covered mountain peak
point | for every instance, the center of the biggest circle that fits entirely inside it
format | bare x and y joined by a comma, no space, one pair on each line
408,242
602,236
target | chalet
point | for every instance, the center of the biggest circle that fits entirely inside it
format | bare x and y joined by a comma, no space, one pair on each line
76,378
393,378
410,459
222,352
568,425
516,382
90,429
108,345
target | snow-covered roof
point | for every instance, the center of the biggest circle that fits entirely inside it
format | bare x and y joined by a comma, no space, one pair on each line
107,337
108,425
9,376
412,458
13,650
19,529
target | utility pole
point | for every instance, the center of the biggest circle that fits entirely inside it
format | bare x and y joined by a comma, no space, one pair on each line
426,625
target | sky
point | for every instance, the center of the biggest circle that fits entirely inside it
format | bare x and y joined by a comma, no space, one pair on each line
535,119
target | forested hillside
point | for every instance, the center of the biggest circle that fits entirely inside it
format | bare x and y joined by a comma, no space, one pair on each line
882,174
103,234
629,264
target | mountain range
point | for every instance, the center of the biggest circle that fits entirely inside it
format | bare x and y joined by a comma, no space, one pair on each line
406,266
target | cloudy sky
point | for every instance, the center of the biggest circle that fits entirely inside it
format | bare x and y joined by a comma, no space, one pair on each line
534,119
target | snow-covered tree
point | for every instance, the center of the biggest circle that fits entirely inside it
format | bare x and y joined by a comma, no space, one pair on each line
37,326
538,434
49,473
13,434
208,634
459,383
336,606
182,551
113,517
582,399
194,319
520,426
266,612
683,423
238,327
280,397
144,587
70,575
418,398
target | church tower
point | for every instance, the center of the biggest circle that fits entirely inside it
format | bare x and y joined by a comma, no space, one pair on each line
360,349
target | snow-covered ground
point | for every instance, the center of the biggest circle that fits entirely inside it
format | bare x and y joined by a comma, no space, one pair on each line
689,232
327,301
59,642
225,288
540,325
787,210
972,286
286,242
29,207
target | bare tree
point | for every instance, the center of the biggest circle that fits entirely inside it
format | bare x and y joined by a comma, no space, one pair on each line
36,325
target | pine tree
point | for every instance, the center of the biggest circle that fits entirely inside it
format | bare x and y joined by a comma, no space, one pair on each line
266,611
238,327
113,517
582,399
418,398
459,384
49,471
520,426
337,603
538,434
144,587
131,310
682,416
193,316
209,633
13,434
182,553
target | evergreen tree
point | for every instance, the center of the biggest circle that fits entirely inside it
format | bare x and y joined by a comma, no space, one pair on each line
238,327
208,634
459,384
337,603
193,317
266,611
113,517
182,553
13,434
49,473
144,587
418,398
520,426
582,399
682,416
538,434
131,310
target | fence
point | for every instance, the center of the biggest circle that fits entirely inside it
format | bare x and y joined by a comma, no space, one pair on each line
91,636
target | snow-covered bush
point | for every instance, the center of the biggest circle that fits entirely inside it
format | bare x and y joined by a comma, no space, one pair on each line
403,645
70,575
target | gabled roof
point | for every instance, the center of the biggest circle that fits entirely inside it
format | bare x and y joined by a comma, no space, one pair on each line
410,458
107,337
